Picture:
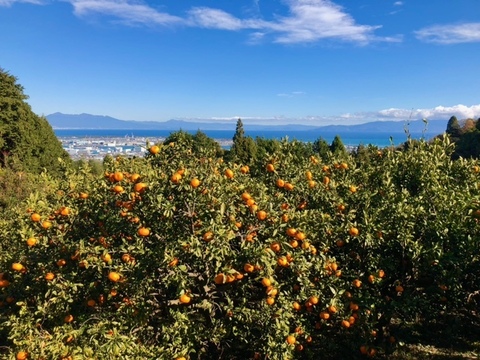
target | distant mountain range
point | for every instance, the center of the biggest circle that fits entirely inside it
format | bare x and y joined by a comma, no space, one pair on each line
88,121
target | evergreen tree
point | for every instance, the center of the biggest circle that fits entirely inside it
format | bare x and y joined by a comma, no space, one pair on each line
453,128
243,149
337,146
202,144
27,141
321,147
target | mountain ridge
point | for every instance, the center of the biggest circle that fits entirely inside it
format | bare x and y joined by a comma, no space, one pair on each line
88,121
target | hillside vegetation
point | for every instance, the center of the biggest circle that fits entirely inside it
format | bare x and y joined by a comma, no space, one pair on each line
273,250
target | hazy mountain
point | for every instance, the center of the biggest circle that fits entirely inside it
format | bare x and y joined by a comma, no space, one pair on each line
88,121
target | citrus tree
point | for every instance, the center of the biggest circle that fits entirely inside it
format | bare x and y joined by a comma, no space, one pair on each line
181,255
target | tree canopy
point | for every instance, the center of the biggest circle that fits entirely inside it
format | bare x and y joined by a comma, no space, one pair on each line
27,141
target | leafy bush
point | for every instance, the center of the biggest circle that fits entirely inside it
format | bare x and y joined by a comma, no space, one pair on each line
177,255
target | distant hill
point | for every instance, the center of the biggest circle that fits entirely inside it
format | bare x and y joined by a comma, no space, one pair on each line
88,121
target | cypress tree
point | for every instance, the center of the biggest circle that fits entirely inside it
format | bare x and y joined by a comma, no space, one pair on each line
27,141
243,148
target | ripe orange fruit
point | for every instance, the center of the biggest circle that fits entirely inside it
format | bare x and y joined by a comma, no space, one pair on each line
353,306
181,358
21,355
381,273
114,276
297,306
276,247
291,340
291,232
246,196
61,262
353,231
288,186
208,236
313,300
118,176
139,187
175,178
270,300
324,315
31,241
261,215
332,309
91,302
220,279
35,217
249,268
346,324
282,261
107,258
49,276
117,189
173,262
17,267
143,232
154,150
299,235
294,243
371,279
68,318
46,224
399,288
312,184
65,211
266,282
270,168
229,174
194,183
357,283
353,189
308,175
280,183
326,180
244,169
185,299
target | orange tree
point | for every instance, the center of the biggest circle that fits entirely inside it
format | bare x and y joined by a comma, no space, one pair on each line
183,255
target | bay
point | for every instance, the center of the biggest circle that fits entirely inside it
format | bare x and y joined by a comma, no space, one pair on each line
351,139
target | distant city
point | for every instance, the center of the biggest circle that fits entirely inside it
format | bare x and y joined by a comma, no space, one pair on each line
97,148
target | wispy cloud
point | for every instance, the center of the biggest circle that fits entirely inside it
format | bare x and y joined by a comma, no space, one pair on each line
450,34
306,21
292,94
392,114
398,3
127,11
11,2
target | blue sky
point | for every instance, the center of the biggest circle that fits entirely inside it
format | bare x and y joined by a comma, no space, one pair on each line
286,61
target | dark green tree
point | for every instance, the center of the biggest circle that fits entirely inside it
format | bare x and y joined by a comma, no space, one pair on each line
321,147
337,146
202,144
243,149
27,141
453,128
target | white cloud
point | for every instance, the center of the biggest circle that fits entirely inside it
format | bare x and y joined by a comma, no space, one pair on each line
11,2
392,114
292,94
306,21
436,113
450,34
127,11
398,3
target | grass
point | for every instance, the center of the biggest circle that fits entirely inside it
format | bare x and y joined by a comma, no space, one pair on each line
451,336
